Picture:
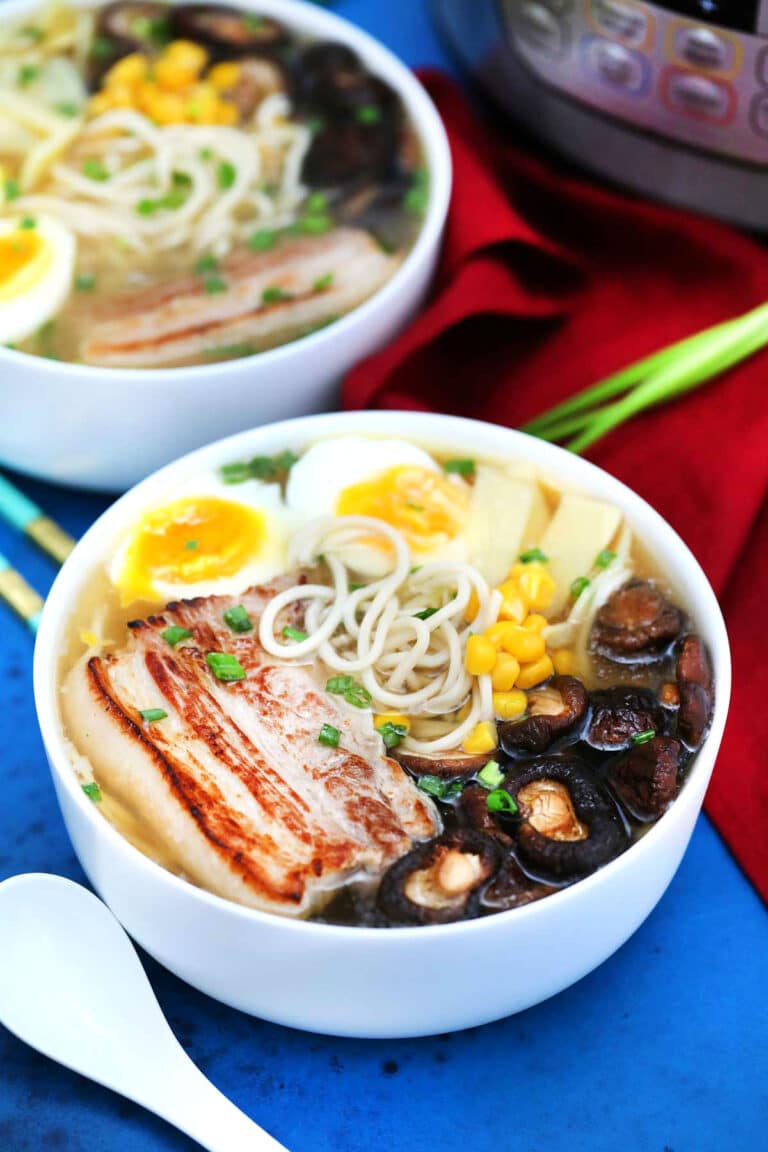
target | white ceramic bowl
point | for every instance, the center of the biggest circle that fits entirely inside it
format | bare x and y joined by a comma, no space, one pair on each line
363,981
108,428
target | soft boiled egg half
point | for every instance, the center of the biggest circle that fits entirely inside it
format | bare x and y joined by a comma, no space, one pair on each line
203,540
37,260
390,480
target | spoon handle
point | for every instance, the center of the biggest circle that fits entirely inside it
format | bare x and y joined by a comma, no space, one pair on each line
192,1104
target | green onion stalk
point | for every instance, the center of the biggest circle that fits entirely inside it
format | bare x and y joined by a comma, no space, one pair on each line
584,418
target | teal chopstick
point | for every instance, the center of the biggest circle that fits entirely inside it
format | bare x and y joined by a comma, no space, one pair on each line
20,596
25,516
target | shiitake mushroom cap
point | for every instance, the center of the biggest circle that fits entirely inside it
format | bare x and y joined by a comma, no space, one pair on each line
438,881
471,811
695,688
511,888
636,624
449,765
121,28
619,713
347,151
645,778
553,710
568,826
228,32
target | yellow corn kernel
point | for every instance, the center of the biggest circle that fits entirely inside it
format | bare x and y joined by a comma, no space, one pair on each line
513,604
481,739
186,53
524,645
564,662
227,112
481,655
509,705
201,104
535,622
496,632
224,76
382,718
473,606
129,72
505,671
536,586
533,674
162,107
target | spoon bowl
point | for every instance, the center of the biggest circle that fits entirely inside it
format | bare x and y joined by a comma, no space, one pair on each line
73,988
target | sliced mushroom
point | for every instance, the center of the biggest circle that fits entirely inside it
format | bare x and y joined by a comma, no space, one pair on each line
636,624
620,713
645,778
511,888
228,31
450,765
258,78
378,208
695,686
123,28
553,710
568,827
343,151
472,812
438,881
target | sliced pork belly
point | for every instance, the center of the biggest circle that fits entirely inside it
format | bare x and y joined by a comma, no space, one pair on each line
270,297
234,782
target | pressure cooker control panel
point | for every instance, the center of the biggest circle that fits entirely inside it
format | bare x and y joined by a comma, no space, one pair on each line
702,81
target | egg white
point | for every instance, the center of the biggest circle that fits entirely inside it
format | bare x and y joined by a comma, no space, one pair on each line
27,304
270,561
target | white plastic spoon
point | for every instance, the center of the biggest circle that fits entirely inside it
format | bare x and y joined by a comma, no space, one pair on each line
72,986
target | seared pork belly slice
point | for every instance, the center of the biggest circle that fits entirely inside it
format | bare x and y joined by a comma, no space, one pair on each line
233,781
270,297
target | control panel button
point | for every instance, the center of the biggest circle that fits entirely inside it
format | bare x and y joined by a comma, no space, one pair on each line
621,20
617,66
539,27
703,48
699,96
758,114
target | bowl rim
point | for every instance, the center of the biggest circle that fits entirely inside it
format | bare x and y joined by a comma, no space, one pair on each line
427,428
434,141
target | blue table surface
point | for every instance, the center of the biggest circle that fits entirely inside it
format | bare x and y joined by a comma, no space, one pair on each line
663,1049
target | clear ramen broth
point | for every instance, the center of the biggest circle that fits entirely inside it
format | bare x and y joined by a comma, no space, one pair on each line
514,707
187,183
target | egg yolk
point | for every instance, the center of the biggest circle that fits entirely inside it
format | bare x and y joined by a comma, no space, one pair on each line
423,505
24,259
188,542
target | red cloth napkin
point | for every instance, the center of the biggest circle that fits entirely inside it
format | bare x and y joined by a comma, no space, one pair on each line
547,283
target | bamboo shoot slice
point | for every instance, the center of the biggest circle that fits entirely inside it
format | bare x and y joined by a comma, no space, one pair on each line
507,515
579,530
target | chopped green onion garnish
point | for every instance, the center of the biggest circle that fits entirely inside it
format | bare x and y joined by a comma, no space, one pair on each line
604,558
284,461
31,32
214,284
206,154
28,222
461,467
533,555
392,734
491,775
95,170
354,586
258,468
274,295
329,736
231,350
175,634
417,196
323,282
368,114
190,545
238,619
92,791
294,634
314,224
339,684
225,666
147,207
207,263
253,23
28,73
67,108
439,788
317,202
425,613
415,507
85,282
578,586
152,715
226,174
12,189
262,241
358,696
643,737
101,47
500,801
